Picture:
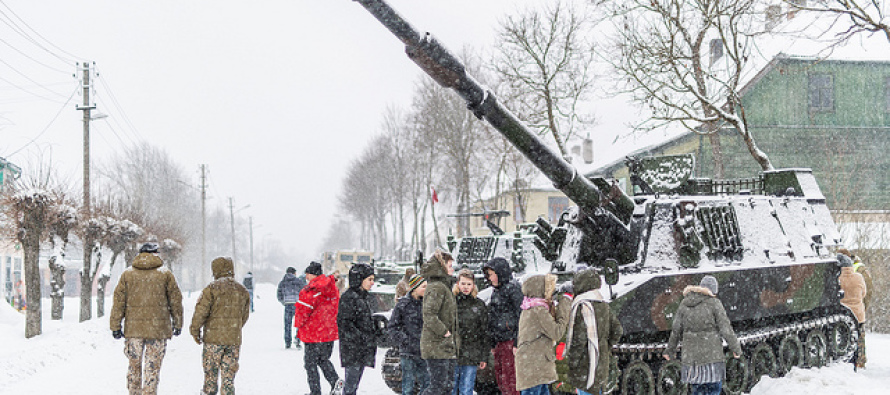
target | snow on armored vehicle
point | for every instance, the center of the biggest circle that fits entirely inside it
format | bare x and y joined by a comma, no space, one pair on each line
768,240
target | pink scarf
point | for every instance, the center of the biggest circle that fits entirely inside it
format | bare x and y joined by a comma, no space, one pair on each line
528,303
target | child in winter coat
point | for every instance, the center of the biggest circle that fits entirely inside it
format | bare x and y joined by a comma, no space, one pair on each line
541,325
405,325
473,330
221,312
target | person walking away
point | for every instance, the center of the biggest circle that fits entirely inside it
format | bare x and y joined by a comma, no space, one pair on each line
855,290
402,285
700,323
248,284
593,329
503,321
220,313
358,343
315,317
405,325
542,323
288,292
148,301
472,316
439,340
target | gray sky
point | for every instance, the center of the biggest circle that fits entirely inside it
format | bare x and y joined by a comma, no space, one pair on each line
276,97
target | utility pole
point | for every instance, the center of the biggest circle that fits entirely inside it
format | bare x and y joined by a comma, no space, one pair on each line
86,280
250,221
203,264
232,215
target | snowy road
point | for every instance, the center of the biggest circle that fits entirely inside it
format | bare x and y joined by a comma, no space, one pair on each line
73,358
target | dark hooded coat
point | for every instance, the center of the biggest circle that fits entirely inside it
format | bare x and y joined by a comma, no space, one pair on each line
472,318
609,332
222,309
504,307
405,325
358,339
147,299
439,313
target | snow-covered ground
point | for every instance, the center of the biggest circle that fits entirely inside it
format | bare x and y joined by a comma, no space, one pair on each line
74,358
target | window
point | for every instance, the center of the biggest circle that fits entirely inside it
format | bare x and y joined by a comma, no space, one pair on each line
716,50
887,93
821,92
555,207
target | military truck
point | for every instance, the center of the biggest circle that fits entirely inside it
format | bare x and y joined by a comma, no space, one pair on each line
768,239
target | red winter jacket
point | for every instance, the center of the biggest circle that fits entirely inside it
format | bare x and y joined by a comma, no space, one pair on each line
316,311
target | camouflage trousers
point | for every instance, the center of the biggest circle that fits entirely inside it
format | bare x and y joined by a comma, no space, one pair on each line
220,360
861,359
145,357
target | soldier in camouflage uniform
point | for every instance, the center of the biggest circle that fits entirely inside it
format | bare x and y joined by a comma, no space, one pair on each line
221,311
149,302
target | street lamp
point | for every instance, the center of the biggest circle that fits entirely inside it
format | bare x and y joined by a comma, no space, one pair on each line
232,212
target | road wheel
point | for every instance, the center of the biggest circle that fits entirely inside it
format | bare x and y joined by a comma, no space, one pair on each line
790,352
669,382
842,337
816,349
763,363
736,375
638,379
392,370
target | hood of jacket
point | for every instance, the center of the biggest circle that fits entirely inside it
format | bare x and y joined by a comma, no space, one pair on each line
539,286
695,294
358,273
326,285
433,269
586,280
501,267
147,261
223,267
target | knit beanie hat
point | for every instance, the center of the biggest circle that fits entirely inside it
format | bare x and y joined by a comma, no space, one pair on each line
291,270
150,247
844,261
314,268
710,283
414,282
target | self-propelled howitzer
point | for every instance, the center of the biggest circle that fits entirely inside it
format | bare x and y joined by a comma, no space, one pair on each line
768,240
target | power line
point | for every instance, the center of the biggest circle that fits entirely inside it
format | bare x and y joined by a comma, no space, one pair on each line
29,79
72,58
47,126
12,84
32,59
116,103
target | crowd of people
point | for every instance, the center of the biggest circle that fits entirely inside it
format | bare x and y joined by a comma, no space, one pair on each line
443,331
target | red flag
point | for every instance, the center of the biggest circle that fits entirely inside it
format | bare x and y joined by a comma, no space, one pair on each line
435,196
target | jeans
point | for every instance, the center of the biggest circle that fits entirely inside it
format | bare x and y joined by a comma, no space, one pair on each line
542,389
315,356
289,311
580,392
706,388
353,376
441,376
413,370
464,380
251,299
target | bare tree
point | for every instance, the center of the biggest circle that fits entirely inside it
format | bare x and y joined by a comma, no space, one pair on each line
851,16
118,236
683,60
64,220
545,56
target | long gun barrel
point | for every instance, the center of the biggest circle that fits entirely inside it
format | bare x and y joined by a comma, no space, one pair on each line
449,72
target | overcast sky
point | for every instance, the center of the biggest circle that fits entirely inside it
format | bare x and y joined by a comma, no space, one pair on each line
276,97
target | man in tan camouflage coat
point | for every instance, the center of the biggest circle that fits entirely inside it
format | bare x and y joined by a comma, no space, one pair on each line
149,302
221,311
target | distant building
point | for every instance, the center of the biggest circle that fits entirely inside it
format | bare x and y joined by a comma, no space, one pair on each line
524,206
12,271
832,116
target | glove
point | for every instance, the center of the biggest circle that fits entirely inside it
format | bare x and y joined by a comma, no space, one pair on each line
177,331
117,334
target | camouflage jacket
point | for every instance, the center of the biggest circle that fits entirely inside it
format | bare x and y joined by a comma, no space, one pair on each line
147,299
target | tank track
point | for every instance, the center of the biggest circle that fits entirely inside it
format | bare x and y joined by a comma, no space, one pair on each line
773,351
